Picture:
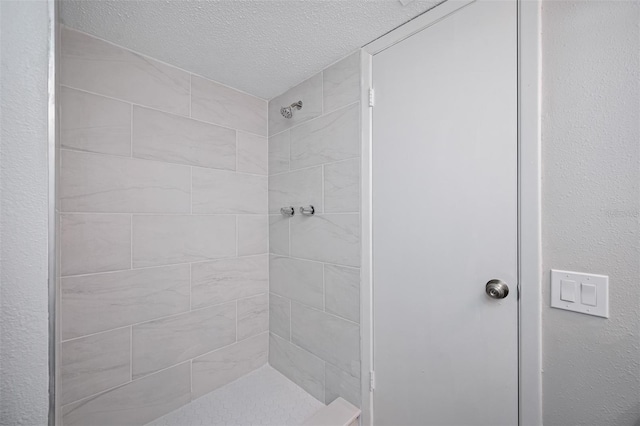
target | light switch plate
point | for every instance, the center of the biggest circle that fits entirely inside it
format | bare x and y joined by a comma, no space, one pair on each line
585,301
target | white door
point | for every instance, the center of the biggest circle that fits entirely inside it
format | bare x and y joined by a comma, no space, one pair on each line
444,164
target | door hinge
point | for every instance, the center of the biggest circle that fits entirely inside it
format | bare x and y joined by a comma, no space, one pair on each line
372,97
372,380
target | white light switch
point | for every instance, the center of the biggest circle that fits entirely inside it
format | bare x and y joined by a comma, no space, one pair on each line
579,292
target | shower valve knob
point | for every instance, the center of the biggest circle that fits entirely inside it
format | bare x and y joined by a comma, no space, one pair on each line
287,211
307,211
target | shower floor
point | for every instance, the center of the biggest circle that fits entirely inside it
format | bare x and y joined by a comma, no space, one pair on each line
262,397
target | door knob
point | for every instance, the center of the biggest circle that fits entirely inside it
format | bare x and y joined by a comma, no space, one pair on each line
497,289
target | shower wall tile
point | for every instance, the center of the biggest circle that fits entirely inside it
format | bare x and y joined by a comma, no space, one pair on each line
253,154
94,123
228,279
100,183
169,239
94,243
94,364
342,186
328,337
279,235
133,404
301,367
162,343
342,291
331,238
309,92
225,365
341,83
280,316
279,152
96,66
175,139
295,279
299,188
253,234
94,303
253,316
222,192
341,384
332,137
218,104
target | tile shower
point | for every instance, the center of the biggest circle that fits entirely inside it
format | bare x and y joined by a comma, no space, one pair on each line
178,274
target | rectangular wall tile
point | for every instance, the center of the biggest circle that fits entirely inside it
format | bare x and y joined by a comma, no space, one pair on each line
94,364
228,279
332,238
332,137
94,123
309,92
341,384
341,83
301,367
93,303
342,186
330,338
94,65
342,291
175,139
134,404
280,316
253,154
162,343
168,239
299,188
222,192
225,365
295,279
279,234
99,183
279,152
94,243
253,234
218,104
253,316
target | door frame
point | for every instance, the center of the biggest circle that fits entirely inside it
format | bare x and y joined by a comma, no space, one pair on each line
529,204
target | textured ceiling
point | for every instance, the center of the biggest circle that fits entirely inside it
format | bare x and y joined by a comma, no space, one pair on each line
262,47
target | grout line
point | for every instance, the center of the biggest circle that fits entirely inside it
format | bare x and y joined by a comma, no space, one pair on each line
321,311
315,166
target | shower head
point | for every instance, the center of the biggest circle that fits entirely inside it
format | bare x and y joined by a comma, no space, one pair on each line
287,112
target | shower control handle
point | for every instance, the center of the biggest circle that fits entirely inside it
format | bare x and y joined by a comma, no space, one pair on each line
307,211
497,289
287,211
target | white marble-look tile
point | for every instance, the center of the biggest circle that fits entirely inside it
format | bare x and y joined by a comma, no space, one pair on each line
223,192
225,365
175,139
279,234
94,123
218,104
296,279
342,186
101,183
164,342
301,367
328,337
341,384
167,239
253,316
94,65
94,243
280,316
332,137
331,238
94,364
253,154
309,92
93,303
228,279
299,188
253,234
279,152
135,403
342,291
341,83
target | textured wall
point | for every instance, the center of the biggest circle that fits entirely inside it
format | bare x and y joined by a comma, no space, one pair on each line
314,265
591,199
164,234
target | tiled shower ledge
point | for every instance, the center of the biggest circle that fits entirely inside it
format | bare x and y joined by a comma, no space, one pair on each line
262,397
